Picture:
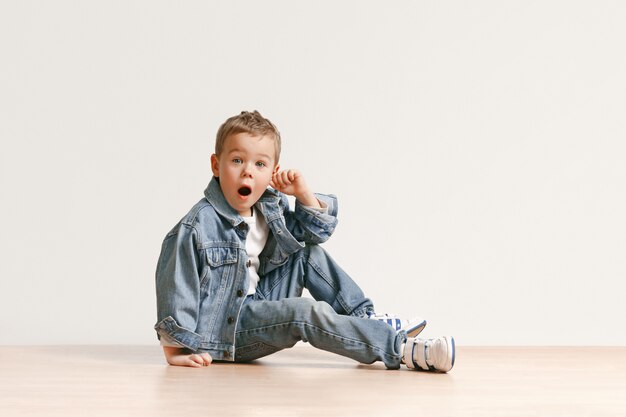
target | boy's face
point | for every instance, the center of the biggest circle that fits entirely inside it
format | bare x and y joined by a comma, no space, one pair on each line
244,167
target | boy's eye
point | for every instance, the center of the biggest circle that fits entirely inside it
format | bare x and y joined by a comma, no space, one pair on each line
261,164
237,160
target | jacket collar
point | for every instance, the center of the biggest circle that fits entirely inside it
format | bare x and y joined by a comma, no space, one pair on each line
214,195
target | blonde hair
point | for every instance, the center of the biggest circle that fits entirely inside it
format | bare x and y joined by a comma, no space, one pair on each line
247,122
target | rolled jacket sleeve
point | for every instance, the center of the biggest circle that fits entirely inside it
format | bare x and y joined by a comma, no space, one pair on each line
314,225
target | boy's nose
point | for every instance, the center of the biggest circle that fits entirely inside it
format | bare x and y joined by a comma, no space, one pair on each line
247,171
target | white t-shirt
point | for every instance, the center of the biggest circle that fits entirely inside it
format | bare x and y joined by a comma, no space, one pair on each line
255,242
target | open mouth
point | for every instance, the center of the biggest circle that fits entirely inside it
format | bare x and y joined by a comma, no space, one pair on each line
244,191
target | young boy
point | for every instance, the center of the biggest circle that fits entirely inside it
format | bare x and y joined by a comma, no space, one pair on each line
231,272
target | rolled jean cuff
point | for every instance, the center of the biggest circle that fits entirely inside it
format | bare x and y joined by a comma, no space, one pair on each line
364,312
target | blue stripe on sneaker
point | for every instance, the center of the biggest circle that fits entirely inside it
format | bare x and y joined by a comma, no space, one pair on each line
416,329
453,350
415,365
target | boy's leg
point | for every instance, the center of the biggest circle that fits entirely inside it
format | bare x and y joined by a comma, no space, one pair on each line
266,327
312,268
277,318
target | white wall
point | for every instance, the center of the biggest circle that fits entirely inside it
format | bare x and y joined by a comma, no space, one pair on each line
477,149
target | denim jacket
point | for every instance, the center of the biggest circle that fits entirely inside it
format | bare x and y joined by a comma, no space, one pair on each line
201,275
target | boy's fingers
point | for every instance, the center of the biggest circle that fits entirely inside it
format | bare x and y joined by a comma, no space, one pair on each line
185,361
196,359
207,359
283,179
280,179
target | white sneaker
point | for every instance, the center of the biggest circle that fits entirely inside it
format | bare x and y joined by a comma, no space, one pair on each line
429,354
412,327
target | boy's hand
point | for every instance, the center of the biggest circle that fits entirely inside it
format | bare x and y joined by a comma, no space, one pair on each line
182,357
291,182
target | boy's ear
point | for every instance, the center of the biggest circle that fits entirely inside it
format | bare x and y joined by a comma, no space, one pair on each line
215,166
276,168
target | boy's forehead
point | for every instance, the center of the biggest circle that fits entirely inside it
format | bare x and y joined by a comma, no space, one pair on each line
246,142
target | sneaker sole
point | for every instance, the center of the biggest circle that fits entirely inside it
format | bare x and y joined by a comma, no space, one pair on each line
451,353
415,329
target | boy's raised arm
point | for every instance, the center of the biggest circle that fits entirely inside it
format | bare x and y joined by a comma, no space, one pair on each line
315,216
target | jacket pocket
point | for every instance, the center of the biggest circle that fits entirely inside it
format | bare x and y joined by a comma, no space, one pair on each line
217,257
220,266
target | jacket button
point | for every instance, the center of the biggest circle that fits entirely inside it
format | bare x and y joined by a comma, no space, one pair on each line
230,320
249,263
239,293
226,354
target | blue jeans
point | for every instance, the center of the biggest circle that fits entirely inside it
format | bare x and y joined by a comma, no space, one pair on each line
336,321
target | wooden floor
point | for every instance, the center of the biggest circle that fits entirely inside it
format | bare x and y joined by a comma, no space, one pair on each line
134,381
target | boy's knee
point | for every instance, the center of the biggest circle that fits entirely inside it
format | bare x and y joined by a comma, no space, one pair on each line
299,306
309,310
